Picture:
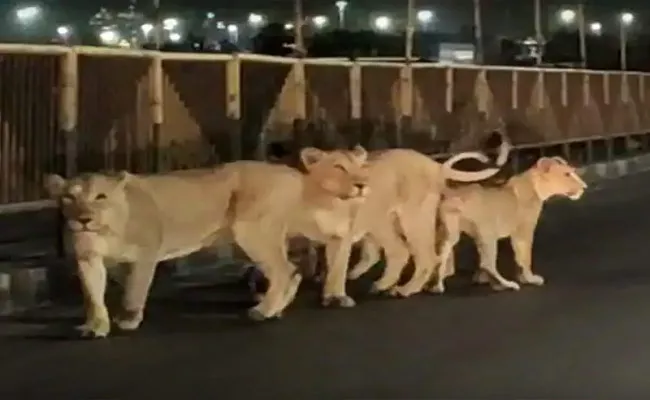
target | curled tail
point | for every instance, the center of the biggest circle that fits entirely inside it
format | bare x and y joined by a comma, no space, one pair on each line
474,176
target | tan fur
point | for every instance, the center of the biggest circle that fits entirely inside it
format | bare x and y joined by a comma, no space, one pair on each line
405,191
489,214
144,219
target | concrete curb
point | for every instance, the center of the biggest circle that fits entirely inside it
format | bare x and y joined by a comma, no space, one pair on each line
615,169
26,285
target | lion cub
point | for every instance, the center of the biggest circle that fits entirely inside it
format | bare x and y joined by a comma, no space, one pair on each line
489,214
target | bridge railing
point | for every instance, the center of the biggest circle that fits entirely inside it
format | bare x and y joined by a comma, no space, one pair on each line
69,109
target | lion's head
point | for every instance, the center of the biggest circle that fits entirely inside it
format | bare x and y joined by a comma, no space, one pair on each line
555,177
340,173
89,202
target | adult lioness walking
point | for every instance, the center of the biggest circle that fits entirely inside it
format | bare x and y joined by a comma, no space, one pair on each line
489,214
144,219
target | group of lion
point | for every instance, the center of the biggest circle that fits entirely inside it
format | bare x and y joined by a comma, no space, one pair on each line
396,201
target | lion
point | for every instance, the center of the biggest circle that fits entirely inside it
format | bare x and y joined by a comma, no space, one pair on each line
489,214
141,220
404,187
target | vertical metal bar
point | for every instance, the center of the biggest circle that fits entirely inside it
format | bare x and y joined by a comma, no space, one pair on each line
539,35
623,45
233,104
581,35
157,112
298,27
514,89
408,46
478,31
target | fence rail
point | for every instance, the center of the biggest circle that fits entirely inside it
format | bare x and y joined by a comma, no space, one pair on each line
69,109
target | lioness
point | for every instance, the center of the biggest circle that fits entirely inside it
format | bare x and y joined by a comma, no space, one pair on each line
144,219
489,214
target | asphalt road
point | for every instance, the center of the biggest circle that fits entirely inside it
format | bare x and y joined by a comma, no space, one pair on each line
586,334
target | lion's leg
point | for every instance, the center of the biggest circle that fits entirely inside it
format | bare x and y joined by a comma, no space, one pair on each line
397,255
523,248
93,283
446,267
488,253
136,290
420,235
370,255
268,251
337,253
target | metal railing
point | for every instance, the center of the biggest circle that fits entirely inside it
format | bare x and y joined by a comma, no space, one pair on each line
69,109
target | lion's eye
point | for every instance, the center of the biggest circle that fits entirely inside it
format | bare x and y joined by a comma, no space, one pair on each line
340,168
68,198
100,196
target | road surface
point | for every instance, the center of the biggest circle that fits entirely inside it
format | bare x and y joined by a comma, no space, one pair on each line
586,334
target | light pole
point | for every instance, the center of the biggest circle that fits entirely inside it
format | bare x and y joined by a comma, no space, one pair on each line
478,32
539,35
581,35
341,5
409,30
626,19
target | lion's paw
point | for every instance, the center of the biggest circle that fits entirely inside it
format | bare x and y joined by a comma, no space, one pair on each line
436,289
531,279
255,314
506,285
400,292
129,321
95,328
338,301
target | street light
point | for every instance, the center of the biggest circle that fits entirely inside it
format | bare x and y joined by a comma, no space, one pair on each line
383,23
169,24
425,17
63,32
341,5
288,26
27,15
233,32
175,37
146,29
626,19
255,20
567,17
596,28
109,37
320,21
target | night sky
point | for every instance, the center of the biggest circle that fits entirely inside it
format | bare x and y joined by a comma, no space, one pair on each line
504,16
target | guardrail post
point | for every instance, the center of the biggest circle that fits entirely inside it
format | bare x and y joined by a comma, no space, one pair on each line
406,103
68,119
156,79
233,105
355,102
586,98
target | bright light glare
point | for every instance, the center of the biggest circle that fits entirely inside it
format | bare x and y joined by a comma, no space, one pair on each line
567,16
288,26
627,18
320,21
255,19
63,31
425,16
210,15
341,4
109,37
175,37
27,14
146,29
383,23
169,24
232,28
596,28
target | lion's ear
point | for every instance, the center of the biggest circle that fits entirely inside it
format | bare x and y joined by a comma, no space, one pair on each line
360,153
310,156
544,164
54,185
560,160
122,179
